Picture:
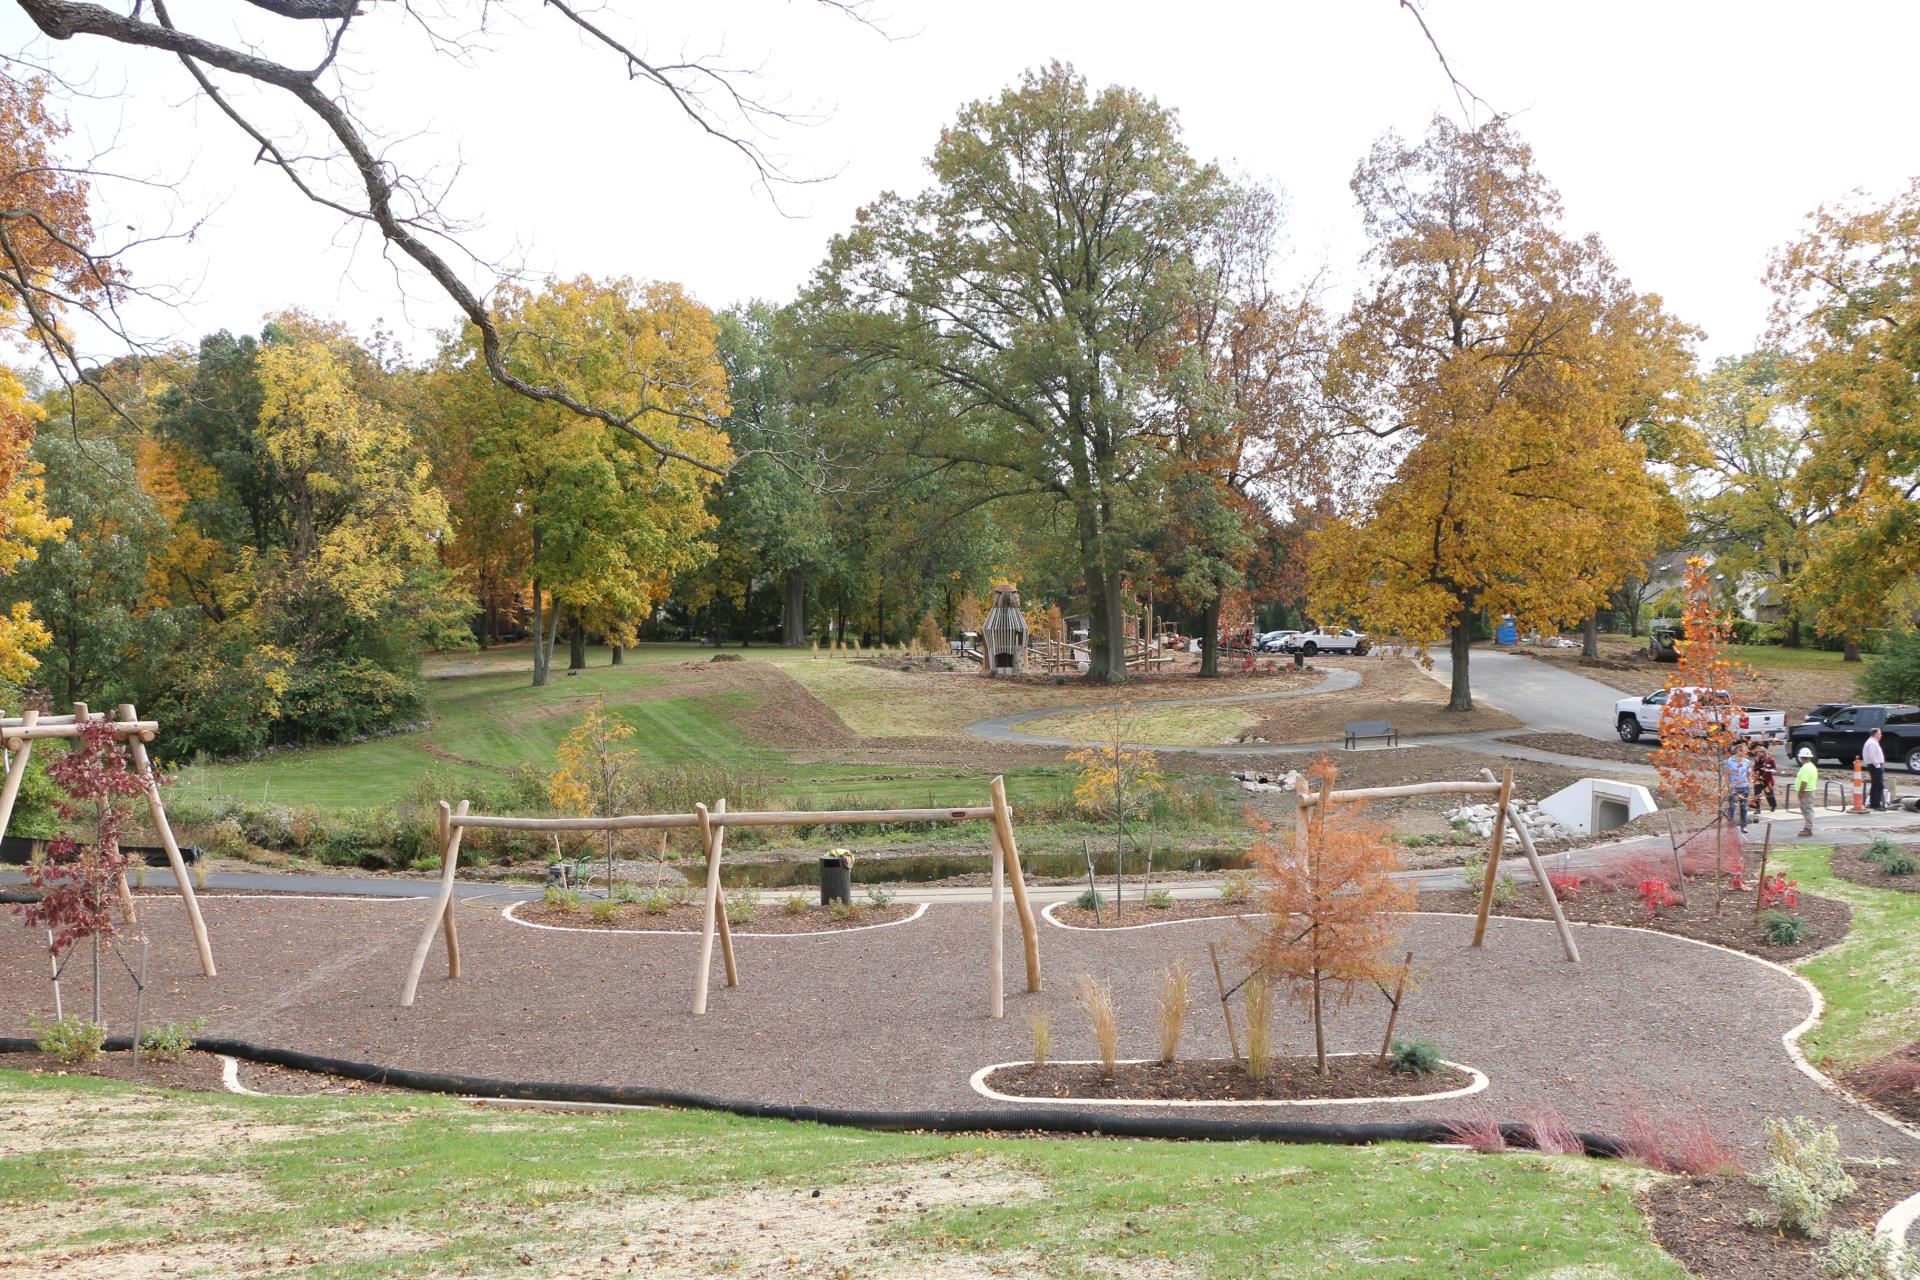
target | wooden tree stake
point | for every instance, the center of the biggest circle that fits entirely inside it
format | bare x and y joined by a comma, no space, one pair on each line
711,900
1003,829
720,896
1766,849
1393,1015
997,958
1226,1005
450,837
1493,858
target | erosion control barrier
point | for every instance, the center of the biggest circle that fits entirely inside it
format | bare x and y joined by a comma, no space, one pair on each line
996,1120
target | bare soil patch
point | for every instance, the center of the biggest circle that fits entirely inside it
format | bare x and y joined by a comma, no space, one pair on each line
1223,1080
1848,864
687,918
1891,1082
1574,744
196,1071
1391,688
1827,919
1702,1221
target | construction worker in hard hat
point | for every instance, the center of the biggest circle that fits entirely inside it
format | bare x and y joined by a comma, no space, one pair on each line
1805,783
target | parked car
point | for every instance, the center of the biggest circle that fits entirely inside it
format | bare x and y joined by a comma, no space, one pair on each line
1272,641
1634,718
1824,710
1320,640
1841,734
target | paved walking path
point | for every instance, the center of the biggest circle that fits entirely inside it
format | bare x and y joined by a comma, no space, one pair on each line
1542,696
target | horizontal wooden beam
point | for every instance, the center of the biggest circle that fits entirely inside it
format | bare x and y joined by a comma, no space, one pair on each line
1308,798
13,731
744,818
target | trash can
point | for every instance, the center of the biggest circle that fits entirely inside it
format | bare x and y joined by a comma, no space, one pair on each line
836,879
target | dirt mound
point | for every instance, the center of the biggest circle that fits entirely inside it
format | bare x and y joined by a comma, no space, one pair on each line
779,711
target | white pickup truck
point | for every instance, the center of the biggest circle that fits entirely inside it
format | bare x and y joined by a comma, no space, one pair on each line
1638,717
1320,640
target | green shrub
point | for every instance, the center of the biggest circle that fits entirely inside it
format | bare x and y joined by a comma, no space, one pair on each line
1803,1179
741,907
1502,890
795,904
1857,1254
1090,900
1880,848
1159,899
562,900
1415,1057
845,910
72,1039
1900,864
605,910
345,699
227,839
655,902
880,896
1238,886
1474,868
1780,929
168,1041
1894,676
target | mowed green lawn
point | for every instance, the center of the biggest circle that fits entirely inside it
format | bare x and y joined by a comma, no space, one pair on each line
104,1179
1871,981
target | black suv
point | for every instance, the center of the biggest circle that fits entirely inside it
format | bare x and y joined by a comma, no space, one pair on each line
1841,734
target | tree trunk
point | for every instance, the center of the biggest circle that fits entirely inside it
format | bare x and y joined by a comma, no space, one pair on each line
1210,640
577,646
1590,642
1107,643
542,643
793,619
746,613
1851,653
1792,639
618,650
1319,1027
1460,698
880,616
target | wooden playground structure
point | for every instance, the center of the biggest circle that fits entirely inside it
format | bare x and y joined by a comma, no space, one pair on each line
19,733
1504,812
712,823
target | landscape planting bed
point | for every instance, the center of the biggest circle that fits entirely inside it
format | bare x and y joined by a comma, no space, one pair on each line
689,918
1848,864
1289,1080
1701,1221
897,1017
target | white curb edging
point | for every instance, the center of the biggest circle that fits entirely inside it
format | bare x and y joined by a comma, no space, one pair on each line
1047,914
979,1083
919,910
230,1077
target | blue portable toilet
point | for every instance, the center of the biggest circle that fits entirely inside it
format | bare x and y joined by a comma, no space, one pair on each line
1506,633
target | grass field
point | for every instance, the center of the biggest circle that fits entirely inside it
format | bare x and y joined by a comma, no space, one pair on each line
101,1179
1197,726
1871,981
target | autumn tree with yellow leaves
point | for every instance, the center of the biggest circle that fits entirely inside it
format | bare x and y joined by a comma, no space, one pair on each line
1503,362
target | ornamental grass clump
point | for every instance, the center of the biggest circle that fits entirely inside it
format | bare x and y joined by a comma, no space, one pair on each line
1804,1178
1172,1007
1042,1027
1257,998
1096,998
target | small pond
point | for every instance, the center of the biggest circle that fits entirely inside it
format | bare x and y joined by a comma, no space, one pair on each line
929,867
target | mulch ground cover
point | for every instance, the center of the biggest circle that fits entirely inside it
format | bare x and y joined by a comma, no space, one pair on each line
1827,919
1892,1083
1223,1080
686,918
1575,744
1702,1221
1848,864
200,1072
1135,913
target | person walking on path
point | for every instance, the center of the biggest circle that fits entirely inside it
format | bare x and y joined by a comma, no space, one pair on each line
1766,780
1805,783
1874,756
1739,774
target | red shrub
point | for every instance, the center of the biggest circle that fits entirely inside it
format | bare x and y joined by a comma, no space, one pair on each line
1480,1131
1657,894
1549,1133
1672,1140
1778,891
1566,887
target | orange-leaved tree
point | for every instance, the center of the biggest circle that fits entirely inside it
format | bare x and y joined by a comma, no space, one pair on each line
1331,901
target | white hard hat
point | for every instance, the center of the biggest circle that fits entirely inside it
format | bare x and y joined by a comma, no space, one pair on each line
1806,753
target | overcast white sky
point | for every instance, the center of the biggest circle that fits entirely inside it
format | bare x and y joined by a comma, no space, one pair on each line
1693,136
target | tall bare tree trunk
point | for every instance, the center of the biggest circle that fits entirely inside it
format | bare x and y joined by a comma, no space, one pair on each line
1107,645
1210,640
1590,640
793,619
1851,653
1460,645
577,646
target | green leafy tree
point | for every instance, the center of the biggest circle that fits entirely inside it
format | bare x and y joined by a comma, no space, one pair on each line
1028,301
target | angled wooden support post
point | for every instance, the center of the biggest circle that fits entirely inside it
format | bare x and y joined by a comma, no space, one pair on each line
22,749
1546,886
711,902
997,1000
137,743
720,895
1493,857
442,909
450,837
1003,831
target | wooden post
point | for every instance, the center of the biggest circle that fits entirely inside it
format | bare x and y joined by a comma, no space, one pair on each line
1393,1016
1493,858
21,748
712,898
998,992
1546,889
443,903
1226,1006
136,743
1003,831
720,897
450,837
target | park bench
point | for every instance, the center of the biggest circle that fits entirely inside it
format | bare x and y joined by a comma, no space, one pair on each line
1359,729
